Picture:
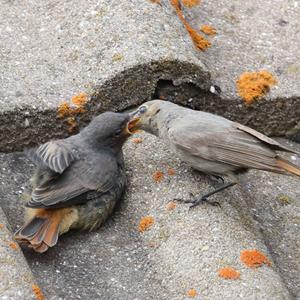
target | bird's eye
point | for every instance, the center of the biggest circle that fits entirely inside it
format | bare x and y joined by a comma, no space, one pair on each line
143,109
118,132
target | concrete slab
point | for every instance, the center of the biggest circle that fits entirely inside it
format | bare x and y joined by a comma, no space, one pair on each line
115,51
122,53
184,248
16,278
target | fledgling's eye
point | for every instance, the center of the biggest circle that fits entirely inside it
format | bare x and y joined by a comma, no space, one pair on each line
118,132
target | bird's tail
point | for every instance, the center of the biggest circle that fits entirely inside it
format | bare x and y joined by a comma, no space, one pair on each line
40,233
288,166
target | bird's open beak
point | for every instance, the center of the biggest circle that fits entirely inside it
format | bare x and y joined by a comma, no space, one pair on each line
133,123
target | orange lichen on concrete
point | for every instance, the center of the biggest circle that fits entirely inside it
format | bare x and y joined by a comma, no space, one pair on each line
1,226
155,1
80,99
209,30
190,3
37,292
13,245
229,273
171,205
171,171
254,258
158,176
145,223
199,41
253,85
191,293
65,110
136,140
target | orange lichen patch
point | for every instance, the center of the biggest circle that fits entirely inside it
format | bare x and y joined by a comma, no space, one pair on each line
37,292
79,99
13,245
254,258
191,293
199,41
155,1
209,30
158,176
145,223
190,3
1,226
136,140
64,110
252,85
229,273
171,205
171,171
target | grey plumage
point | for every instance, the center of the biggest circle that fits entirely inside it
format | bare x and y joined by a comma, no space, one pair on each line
210,143
78,180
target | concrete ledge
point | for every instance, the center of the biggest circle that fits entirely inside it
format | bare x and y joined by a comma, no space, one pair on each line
16,278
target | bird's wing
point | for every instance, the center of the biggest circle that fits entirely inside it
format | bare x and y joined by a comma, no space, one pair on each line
231,146
97,173
274,144
56,155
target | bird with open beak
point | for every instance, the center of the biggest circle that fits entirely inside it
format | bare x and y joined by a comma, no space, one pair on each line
212,144
77,182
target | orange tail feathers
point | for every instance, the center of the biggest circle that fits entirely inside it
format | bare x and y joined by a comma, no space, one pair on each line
288,166
41,232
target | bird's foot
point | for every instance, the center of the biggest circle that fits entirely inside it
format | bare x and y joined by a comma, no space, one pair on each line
195,201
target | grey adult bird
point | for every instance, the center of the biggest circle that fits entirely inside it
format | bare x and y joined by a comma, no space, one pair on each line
212,144
77,183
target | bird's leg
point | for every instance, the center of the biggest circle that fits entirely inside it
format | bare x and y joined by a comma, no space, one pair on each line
201,199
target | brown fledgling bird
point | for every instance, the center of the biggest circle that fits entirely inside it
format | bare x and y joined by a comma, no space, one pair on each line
212,144
78,181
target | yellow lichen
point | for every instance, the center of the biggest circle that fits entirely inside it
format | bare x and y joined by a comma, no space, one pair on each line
229,273
190,3
171,205
37,292
191,293
254,258
158,176
199,41
145,223
209,30
13,245
253,85
69,112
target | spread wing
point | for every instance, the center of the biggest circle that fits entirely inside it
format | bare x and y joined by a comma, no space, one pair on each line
232,145
56,155
93,172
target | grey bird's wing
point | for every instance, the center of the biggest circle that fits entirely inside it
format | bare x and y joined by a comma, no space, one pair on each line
56,155
94,171
235,145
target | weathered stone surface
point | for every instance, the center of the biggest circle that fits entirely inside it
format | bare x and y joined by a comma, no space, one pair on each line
116,51
16,277
184,248
122,52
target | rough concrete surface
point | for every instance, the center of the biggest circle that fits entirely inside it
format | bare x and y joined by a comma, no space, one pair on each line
115,51
16,277
184,248
121,52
